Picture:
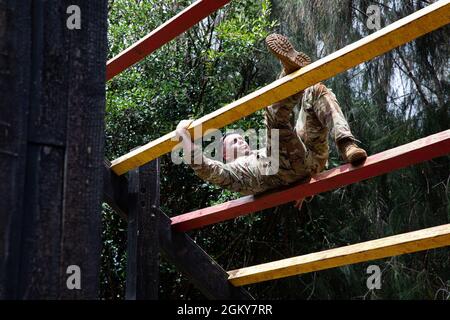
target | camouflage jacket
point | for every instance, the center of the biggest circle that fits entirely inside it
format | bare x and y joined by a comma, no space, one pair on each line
247,174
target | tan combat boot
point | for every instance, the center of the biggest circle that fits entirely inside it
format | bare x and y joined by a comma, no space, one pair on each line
350,152
291,59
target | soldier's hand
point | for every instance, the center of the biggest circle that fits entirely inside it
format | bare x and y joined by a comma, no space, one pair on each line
185,124
182,127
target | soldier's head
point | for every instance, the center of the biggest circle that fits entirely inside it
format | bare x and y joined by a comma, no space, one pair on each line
234,146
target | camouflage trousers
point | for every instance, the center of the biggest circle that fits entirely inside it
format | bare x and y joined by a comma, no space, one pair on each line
303,143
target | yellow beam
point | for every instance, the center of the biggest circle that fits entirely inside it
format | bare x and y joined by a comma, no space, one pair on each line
371,250
396,34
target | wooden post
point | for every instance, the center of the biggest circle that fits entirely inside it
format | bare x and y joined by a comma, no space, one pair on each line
52,236
15,50
205,273
178,248
143,242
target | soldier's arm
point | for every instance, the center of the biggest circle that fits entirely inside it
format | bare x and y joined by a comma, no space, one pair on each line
207,169
238,176
213,171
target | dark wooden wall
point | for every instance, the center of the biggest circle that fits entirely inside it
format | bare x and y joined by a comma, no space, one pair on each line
52,101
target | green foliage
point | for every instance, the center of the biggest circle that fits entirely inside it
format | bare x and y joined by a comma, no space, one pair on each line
238,34
113,268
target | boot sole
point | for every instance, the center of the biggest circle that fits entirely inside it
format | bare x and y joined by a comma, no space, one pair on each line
358,157
282,48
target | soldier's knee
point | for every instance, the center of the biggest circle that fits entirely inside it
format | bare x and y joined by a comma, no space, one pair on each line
313,94
319,89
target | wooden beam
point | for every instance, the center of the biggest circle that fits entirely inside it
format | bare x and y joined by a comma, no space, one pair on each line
142,282
178,248
162,35
205,273
418,151
420,240
409,28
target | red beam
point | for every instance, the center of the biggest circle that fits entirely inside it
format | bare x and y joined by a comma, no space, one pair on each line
390,160
163,34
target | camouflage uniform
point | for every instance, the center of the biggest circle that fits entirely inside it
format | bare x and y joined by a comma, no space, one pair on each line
303,148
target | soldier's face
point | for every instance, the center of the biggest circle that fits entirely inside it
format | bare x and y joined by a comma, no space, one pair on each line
235,146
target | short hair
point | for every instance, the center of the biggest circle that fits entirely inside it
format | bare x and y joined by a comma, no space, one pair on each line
227,134
223,142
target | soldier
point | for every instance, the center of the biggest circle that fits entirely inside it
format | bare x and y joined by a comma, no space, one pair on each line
303,149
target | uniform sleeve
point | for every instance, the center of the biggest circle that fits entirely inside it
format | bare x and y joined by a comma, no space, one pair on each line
210,170
233,176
